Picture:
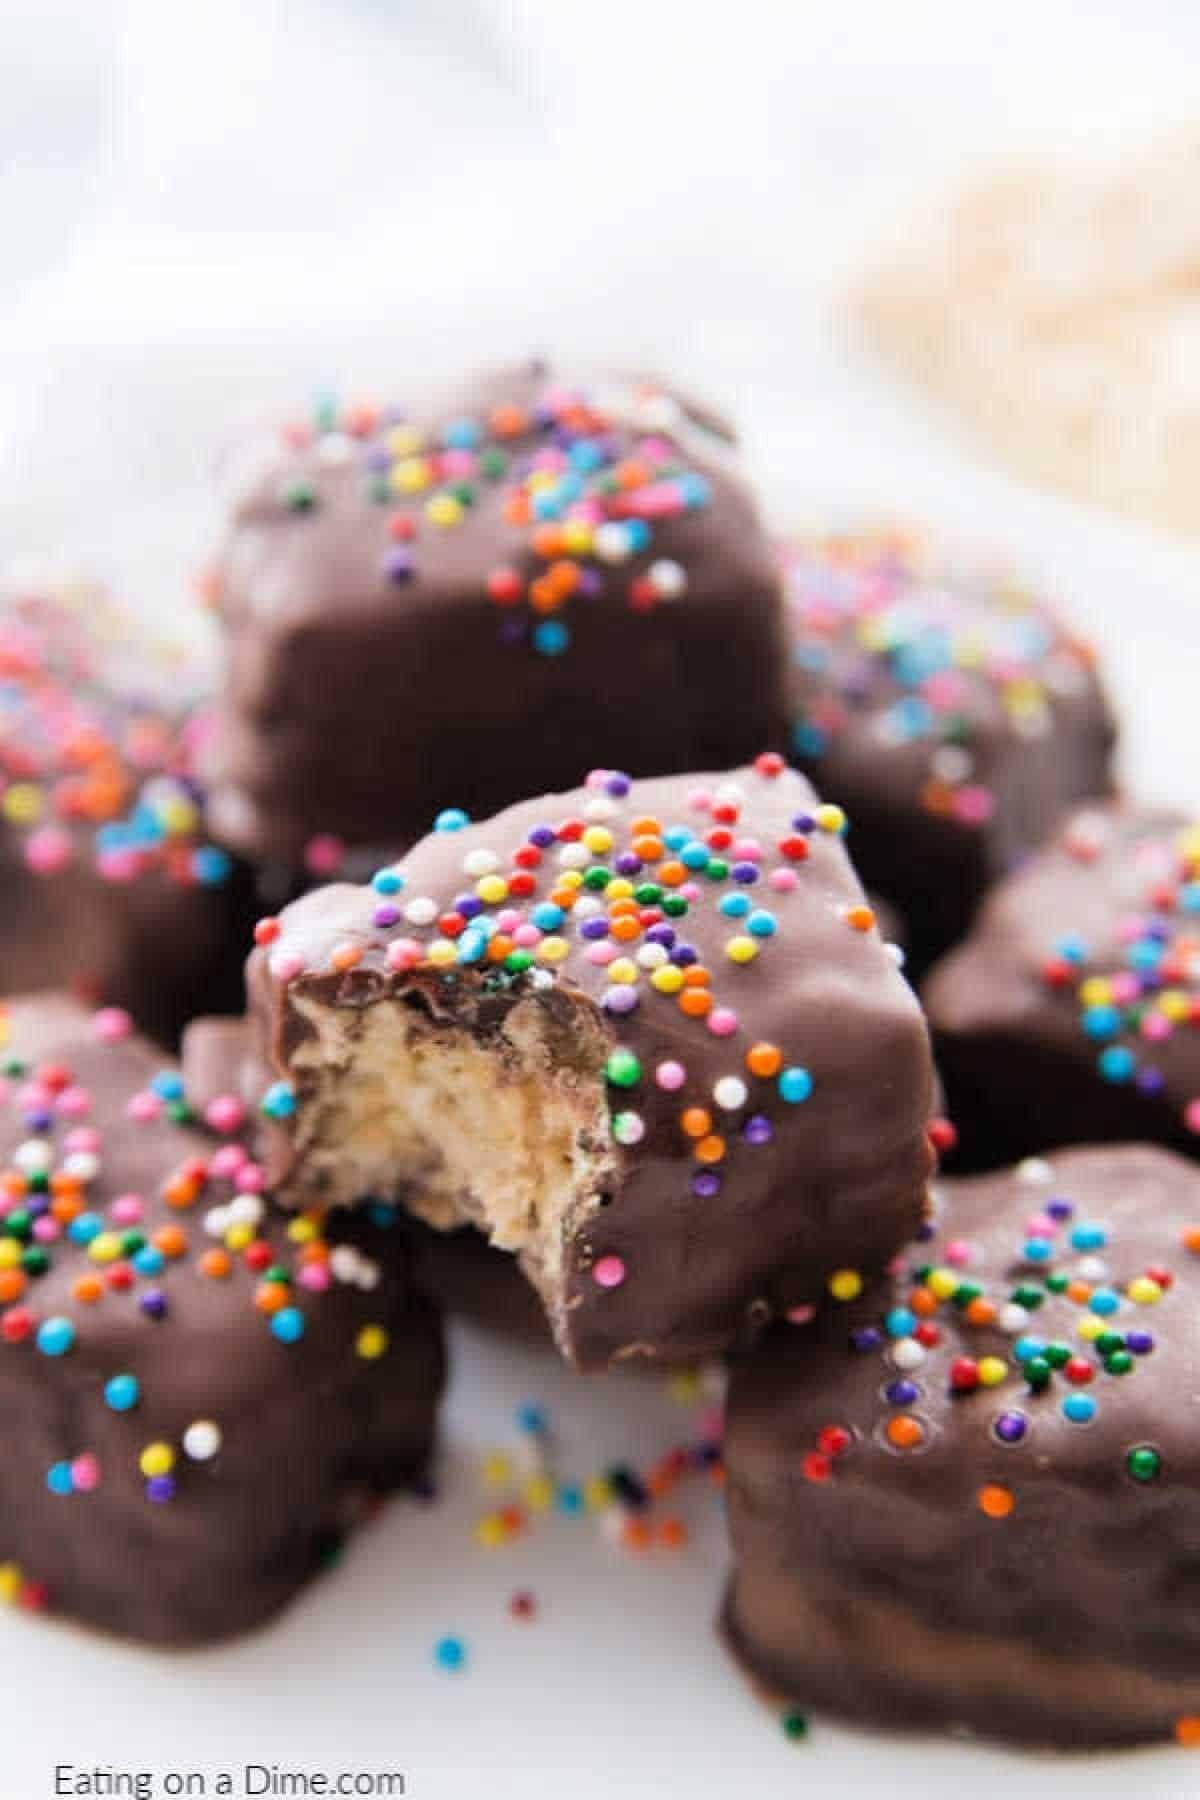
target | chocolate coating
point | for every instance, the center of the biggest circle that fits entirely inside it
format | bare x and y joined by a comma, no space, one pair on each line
110,883
952,714
1072,1012
1012,1572
383,665
309,1433
707,1196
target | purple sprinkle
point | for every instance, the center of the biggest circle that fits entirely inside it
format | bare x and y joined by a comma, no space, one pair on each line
39,1121
628,863
398,565
706,1183
683,955
1150,1081
746,872
867,1337
37,1204
926,1230
594,928
1060,1209
620,998
512,631
378,459
160,1488
1140,1342
1010,1427
469,905
591,583
542,836
394,415
661,934
758,1129
804,822
154,1303
901,1393
387,915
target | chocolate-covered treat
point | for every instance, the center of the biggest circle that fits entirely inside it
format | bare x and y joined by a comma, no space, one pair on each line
954,715
645,1034
973,1500
108,879
1072,1012
199,1397
438,611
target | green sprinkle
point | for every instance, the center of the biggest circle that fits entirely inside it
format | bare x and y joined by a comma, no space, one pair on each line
795,1726
1143,1462
623,1069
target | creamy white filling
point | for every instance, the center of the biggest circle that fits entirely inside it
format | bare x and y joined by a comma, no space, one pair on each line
496,1131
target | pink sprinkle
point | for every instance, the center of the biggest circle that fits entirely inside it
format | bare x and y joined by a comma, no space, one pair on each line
251,1179
84,1137
224,1114
671,1076
227,1161
285,965
404,953
127,1209
526,936
33,1097
1156,1027
722,1021
85,1473
46,1230
49,850
73,1103
975,805
111,1024
1041,1225
323,855
700,800
958,1253
747,850
144,1107
602,954
117,866
690,891
782,880
1126,988
609,1272
1191,1115
315,1277
509,920
800,1315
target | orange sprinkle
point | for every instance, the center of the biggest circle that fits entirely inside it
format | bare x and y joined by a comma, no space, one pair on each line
860,918
215,1264
646,826
981,1312
87,1289
672,1534
995,1502
764,1059
516,510
171,1240
65,1185
904,1432
544,597
650,849
270,1296
12,1285
695,1003
548,542
1191,1239
670,873
66,1207
625,930
635,1534
923,1303
696,1121
345,956
1079,1291
180,1193
1187,1728
499,947
710,1149
563,577
696,977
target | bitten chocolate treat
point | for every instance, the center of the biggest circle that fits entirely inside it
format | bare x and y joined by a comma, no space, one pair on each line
108,880
1072,1012
438,611
973,1500
645,1034
952,714
199,1397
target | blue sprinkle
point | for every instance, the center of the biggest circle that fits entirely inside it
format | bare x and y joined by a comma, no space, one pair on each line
167,1085
55,1336
1117,1064
1027,1347
1088,1237
795,1085
734,906
531,1418
387,881
279,1101
1101,1021
1105,1302
450,1653
1038,1250
59,1479
452,819
551,637
900,1322
149,1261
761,924
569,1499
211,867
122,1392
86,1227
547,916
288,1325
1079,1408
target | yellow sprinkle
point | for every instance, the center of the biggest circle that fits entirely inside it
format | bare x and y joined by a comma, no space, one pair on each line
538,1493
622,969
540,480
156,1459
11,1583
441,953
403,440
496,1471
304,1230
1173,1005
238,1236
942,1282
178,817
1144,1290
22,804
372,1342
410,475
553,949
667,980
741,949
491,889
577,537
685,1386
1095,991
106,1248
1090,1326
570,878
597,839
490,1531
619,888
830,818
444,509
597,1493
992,1370
10,1253
845,1284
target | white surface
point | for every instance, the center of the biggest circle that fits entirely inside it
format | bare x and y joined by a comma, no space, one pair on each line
213,210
